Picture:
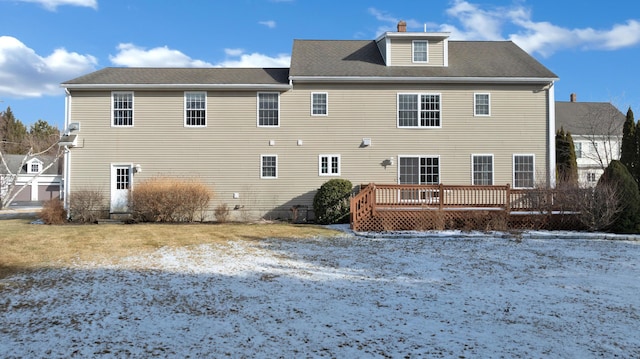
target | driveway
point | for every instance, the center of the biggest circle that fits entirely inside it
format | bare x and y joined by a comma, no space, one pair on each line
21,210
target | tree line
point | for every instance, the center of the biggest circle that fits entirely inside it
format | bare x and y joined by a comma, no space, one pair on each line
16,138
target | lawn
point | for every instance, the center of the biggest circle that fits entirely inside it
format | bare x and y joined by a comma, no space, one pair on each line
27,246
269,291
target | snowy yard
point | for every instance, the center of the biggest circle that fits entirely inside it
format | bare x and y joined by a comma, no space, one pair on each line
448,296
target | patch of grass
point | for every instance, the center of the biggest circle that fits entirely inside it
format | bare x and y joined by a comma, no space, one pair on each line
25,246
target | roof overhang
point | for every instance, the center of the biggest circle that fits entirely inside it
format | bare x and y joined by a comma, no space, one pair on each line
414,35
385,79
247,87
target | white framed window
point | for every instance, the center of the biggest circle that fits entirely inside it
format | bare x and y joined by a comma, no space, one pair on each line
319,104
419,110
419,169
195,109
122,109
268,166
33,165
524,171
482,169
578,148
482,104
591,177
268,109
329,165
420,51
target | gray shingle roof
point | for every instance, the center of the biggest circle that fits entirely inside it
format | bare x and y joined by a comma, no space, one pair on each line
183,76
589,118
478,59
14,161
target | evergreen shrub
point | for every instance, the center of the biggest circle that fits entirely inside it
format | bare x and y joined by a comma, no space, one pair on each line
331,202
628,218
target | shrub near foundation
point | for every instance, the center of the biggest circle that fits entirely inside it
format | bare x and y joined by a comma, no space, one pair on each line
53,212
167,199
87,206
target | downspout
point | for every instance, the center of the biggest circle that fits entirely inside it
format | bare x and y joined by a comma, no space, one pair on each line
551,147
67,155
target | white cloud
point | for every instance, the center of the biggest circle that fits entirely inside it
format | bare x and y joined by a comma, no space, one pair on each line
241,59
270,23
479,22
130,55
24,73
52,5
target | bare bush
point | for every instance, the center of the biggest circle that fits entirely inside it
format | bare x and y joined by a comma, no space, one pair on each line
222,213
87,206
53,212
597,207
165,199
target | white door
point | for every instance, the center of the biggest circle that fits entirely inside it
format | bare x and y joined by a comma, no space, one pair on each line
120,187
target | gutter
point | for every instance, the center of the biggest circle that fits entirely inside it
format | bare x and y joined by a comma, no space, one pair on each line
371,79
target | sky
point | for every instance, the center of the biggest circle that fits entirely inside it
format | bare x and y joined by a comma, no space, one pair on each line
593,48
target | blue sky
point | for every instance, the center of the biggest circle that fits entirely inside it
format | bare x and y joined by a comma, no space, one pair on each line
594,47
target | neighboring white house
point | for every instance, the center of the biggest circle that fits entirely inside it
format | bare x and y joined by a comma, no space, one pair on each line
40,186
596,129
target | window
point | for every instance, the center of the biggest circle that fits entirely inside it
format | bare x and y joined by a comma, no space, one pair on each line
523,171
122,111
268,109
481,104
482,169
268,166
426,114
319,106
591,177
420,51
329,165
419,170
123,179
578,147
35,168
195,109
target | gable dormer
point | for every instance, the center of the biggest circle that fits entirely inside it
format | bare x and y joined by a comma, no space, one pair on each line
34,166
402,48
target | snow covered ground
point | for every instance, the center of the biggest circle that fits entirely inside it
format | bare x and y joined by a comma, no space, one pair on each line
443,296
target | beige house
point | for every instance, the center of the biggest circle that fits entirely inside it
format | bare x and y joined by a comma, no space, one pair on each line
596,130
408,107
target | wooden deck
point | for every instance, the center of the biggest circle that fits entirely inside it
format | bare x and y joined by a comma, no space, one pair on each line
385,207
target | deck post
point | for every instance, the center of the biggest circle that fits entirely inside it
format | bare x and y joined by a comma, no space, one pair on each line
441,194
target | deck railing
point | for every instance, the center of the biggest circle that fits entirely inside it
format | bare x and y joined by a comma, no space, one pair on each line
381,197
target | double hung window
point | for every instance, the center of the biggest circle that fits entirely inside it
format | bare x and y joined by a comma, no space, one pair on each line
195,109
523,171
268,109
122,109
482,169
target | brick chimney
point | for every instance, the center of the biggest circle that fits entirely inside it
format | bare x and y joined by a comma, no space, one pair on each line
573,97
402,26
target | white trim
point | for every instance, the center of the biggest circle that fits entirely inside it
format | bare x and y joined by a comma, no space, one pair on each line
248,87
261,166
419,94
513,168
387,50
413,52
206,107
493,167
416,35
367,79
132,107
258,108
31,163
445,53
551,136
326,103
330,158
475,108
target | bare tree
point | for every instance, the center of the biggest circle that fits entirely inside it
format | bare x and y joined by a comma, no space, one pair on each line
597,207
8,182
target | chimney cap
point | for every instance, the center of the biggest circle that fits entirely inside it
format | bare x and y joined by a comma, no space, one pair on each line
573,97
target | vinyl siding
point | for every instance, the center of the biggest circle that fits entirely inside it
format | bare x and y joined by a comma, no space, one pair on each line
401,52
226,153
